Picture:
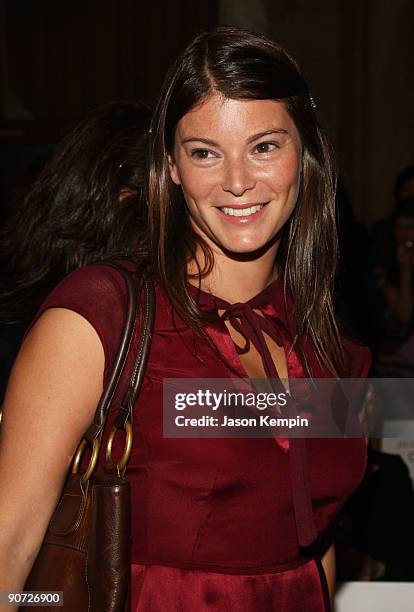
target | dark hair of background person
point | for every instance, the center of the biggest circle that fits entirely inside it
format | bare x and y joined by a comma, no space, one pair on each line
354,289
242,65
403,208
72,215
404,177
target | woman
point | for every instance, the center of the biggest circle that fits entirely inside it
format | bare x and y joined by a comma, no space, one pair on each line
87,205
242,248
70,216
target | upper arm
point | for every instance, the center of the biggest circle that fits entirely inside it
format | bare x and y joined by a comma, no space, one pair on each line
51,399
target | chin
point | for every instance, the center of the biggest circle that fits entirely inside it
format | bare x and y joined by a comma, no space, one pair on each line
249,251
242,249
238,245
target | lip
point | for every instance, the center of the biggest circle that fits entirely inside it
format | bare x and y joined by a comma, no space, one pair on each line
243,220
243,206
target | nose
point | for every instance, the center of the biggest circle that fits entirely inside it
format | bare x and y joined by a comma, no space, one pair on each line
238,177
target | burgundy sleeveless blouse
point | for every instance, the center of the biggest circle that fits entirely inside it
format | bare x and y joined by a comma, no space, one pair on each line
221,524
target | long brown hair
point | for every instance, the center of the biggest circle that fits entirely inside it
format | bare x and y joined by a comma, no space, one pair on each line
242,65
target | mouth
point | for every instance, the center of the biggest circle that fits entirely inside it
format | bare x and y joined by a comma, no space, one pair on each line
242,211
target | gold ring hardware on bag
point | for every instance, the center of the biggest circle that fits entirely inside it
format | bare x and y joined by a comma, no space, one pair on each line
88,516
127,450
92,461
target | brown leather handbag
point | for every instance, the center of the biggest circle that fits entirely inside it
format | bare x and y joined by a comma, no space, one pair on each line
86,552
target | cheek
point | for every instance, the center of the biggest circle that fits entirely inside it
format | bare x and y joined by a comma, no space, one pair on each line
293,171
196,185
285,177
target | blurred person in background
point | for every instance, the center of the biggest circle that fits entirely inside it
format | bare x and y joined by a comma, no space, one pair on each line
354,288
395,283
382,234
87,205
404,184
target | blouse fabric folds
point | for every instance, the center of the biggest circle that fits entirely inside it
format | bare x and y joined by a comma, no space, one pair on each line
221,523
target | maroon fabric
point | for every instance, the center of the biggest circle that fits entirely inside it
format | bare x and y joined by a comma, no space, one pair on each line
168,589
236,507
245,318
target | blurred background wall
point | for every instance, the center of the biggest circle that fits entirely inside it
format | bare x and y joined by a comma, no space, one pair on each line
58,59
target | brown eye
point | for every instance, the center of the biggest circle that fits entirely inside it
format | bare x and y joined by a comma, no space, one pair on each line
201,153
266,147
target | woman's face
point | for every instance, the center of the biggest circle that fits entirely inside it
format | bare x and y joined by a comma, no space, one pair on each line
238,163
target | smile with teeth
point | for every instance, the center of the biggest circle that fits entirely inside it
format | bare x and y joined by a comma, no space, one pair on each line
241,212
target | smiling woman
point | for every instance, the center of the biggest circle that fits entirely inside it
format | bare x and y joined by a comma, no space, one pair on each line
242,247
238,163
243,231
235,128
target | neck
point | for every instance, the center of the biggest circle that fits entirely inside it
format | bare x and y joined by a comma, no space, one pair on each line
238,278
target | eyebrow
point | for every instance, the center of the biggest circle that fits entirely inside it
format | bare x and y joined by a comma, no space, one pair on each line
266,133
213,143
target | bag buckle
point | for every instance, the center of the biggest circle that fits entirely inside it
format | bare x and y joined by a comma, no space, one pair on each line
120,465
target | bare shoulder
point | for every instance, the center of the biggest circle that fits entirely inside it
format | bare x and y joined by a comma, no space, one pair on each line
51,398
99,295
60,363
53,391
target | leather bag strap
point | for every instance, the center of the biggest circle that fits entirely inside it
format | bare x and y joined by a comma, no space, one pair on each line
121,357
126,410
105,400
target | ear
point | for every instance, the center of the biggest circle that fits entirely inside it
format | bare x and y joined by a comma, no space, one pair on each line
175,177
126,192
